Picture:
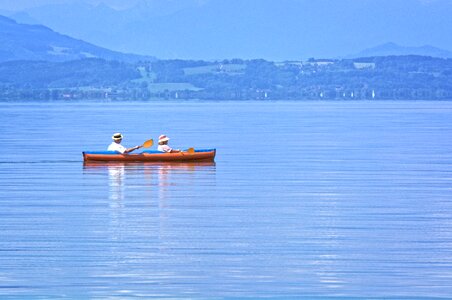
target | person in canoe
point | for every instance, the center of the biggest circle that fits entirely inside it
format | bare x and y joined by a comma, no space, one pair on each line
163,145
116,145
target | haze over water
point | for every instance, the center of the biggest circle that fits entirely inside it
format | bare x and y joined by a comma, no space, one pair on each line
305,199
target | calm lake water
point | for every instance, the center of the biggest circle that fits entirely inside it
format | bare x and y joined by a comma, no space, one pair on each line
304,200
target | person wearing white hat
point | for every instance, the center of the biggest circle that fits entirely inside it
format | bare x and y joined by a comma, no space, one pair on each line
116,145
163,145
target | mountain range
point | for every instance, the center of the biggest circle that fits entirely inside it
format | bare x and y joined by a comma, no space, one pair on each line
37,42
388,49
269,29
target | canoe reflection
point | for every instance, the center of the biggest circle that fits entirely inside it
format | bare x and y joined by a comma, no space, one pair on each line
161,175
139,192
89,165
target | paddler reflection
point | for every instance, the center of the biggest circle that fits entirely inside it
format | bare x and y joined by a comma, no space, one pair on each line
176,182
114,173
116,179
116,197
163,184
172,177
116,184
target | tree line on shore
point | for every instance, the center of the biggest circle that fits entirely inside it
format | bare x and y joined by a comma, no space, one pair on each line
388,77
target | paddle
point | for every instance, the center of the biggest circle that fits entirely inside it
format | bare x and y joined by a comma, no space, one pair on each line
148,143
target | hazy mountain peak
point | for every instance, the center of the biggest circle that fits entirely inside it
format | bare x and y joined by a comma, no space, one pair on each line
5,20
102,6
392,48
37,42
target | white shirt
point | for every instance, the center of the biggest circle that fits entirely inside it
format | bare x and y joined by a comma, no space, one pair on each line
164,148
116,147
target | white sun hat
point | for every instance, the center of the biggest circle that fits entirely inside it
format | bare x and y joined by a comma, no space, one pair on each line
117,136
163,138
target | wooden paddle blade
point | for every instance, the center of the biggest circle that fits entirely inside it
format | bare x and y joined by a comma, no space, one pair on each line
191,150
148,143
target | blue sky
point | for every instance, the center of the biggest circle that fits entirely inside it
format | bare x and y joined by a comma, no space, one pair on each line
118,4
24,4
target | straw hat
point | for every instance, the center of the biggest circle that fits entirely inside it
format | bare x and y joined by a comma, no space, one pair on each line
116,136
163,138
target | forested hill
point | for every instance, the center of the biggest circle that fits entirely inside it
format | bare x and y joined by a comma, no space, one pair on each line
390,77
37,42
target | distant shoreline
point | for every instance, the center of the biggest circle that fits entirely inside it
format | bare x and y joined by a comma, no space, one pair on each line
200,101
372,78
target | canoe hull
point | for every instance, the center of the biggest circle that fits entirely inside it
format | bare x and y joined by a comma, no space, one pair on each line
154,156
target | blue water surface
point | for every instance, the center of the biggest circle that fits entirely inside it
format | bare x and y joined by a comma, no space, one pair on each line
304,200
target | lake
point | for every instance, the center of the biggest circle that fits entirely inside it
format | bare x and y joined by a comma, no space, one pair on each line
305,200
